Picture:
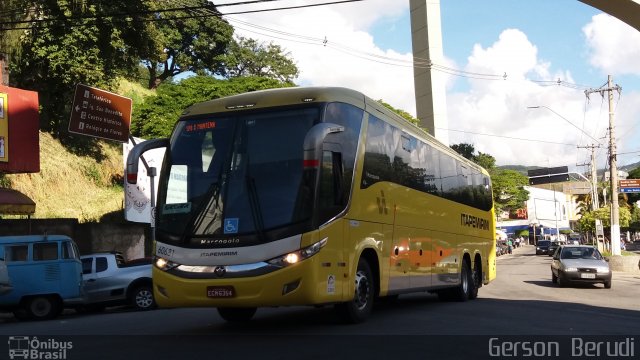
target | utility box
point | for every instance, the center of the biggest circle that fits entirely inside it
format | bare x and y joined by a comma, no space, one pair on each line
19,131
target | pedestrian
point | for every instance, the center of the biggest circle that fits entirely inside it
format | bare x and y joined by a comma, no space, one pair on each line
509,246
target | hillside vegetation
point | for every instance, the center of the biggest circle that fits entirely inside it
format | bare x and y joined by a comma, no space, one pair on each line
72,186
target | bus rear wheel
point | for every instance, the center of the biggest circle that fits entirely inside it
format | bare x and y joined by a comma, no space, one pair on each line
237,314
467,284
359,309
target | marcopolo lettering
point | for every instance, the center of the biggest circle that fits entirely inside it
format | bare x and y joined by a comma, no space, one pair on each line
474,222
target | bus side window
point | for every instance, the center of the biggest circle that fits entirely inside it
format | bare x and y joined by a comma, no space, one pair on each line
45,251
16,253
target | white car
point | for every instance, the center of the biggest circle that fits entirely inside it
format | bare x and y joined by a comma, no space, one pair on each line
5,283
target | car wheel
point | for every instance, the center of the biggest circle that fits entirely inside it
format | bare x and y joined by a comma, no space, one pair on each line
43,307
607,284
554,278
142,298
237,314
560,281
358,309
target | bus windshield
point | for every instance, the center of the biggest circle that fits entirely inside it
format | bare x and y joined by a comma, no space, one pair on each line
237,174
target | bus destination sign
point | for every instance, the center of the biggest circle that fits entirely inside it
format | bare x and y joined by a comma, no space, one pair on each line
100,114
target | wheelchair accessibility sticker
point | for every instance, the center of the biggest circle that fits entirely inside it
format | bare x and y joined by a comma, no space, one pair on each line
231,225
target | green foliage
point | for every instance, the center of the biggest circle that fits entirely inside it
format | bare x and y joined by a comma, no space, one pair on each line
508,189
466,150
158,115
587,221
248,57
402,113
181,42
75,46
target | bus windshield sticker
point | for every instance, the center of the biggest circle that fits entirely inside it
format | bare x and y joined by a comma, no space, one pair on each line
199,126
231,225
176,208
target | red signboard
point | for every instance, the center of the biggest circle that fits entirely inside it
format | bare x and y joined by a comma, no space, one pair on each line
100,113
19,131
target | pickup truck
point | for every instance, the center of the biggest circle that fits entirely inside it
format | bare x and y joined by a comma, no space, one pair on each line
109,280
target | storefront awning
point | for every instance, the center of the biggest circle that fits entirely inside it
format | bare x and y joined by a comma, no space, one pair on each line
13,202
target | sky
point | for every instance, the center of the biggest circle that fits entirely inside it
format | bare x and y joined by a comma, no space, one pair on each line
550,50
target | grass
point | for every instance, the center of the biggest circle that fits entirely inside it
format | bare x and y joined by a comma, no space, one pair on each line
76,186
71,186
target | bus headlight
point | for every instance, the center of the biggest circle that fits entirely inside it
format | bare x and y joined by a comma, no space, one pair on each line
164,264
299,255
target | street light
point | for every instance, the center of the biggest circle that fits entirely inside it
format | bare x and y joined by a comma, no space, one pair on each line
563,118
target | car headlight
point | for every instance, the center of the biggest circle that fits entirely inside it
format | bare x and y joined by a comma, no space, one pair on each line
570,269
299,255
164,264
603,270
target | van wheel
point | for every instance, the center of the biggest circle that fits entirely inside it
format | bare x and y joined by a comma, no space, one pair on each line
359,309
142,298
237,314
43,307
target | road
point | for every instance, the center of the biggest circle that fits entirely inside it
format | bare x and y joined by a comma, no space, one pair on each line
521,303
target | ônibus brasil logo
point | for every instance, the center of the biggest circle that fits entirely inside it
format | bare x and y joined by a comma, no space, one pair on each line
32,348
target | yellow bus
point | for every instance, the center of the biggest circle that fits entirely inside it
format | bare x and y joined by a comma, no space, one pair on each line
313,196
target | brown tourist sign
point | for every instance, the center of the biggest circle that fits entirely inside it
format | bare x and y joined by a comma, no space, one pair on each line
100,114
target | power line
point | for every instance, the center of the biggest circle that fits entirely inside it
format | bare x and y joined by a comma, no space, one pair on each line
507,137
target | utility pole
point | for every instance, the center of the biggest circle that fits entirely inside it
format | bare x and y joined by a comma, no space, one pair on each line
613,169
594,191
594,176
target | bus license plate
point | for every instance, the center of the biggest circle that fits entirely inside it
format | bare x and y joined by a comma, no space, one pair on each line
221,292
588,276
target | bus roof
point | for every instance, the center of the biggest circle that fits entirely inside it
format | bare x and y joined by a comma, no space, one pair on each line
301,95
31,238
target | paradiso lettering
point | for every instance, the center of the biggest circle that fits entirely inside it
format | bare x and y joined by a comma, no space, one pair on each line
474,222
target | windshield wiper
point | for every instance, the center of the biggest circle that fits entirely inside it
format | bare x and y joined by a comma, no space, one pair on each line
210,210
254,202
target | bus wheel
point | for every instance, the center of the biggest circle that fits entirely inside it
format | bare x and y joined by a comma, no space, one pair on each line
476,281
43,307
358,309
237,314
463,291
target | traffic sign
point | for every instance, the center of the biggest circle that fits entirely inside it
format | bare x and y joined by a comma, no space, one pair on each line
100,113
629,186
548,175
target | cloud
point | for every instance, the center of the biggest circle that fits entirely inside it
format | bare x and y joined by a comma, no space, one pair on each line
520,135
614,46
546,136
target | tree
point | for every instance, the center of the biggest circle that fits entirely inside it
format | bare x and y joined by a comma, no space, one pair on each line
180,41
248,57
402,113
69,43
464,149
508,190
156,117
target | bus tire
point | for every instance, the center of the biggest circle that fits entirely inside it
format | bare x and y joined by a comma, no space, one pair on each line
231,314
43,307
359,308
463,291
476,280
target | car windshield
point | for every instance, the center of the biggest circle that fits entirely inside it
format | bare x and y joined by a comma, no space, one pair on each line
543,243
581,253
